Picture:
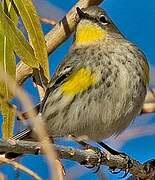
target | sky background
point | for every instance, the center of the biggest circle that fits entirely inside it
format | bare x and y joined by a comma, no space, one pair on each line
136,20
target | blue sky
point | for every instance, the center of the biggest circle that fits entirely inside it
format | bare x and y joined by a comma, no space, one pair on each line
135,19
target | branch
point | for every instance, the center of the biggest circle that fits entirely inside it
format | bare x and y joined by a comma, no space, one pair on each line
55,37
23,72
150,97
37,124
149,105
87,157
20,167
48,21
148,108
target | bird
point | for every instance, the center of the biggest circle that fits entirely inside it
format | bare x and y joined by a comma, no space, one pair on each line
101,84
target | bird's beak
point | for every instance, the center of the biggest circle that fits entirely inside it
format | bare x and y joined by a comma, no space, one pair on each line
80,13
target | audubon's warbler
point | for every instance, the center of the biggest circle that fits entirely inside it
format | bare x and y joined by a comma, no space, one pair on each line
100,86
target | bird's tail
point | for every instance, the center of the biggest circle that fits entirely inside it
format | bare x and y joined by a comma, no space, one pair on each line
23,135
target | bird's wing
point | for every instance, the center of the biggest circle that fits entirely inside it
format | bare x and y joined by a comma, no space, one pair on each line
62,73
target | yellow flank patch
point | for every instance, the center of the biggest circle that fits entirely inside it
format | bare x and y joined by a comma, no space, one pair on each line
78,82
89,33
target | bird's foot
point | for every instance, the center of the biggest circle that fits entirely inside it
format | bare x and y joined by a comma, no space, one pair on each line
99,153
89,147
123,155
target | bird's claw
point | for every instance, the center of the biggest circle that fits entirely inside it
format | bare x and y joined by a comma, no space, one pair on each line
123,155
98,163
126,169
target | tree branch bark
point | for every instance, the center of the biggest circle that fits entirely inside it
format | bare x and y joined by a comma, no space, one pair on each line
86,157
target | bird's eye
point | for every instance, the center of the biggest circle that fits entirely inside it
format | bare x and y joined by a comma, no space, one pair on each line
103,19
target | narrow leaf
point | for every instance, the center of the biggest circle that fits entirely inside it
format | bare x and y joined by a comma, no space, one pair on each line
10,10
8,121
8,64
19,44
31,21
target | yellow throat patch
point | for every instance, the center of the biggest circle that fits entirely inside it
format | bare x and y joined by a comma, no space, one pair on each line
78,82
89,33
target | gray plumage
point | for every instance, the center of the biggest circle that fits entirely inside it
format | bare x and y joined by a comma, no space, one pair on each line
107,107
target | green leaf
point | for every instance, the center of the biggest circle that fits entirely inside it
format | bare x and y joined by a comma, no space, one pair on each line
8,64
19,44
10,10
8,121
32,23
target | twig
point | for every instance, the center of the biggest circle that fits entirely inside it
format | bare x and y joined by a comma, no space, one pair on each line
23,72
150,97
148,108
55,37
20,167
89,157
37,123
152,92
48,21
2,177
20,115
